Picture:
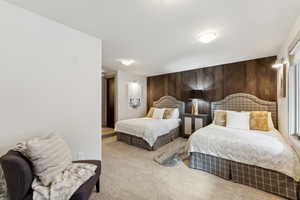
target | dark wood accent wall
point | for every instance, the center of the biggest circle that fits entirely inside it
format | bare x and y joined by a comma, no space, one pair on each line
256,77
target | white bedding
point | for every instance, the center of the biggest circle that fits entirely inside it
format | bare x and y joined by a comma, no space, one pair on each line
263,149
147,128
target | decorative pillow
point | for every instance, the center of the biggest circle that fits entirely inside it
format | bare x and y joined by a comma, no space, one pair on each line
168,112
259,120
49,155
150,112
158,113
220,117
238,120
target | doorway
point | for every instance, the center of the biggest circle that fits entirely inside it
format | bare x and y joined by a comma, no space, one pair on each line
110,114
108,104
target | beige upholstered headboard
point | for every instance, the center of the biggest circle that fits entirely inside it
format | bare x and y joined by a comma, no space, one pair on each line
170,102
246,102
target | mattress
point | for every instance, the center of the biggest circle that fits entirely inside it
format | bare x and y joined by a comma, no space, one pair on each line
263,149
147,128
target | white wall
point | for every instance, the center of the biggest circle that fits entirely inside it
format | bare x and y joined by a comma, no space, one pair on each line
123,111
49,80
283,102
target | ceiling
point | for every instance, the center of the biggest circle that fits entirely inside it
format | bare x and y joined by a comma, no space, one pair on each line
161,34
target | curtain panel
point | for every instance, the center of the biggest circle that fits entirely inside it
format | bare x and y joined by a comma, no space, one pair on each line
294,99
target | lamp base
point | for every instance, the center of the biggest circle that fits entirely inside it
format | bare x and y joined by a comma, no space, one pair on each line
195,108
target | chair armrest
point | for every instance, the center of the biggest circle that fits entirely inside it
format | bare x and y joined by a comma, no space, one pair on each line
94,162
18,175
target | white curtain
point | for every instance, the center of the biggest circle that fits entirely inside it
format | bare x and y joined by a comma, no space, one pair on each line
294,99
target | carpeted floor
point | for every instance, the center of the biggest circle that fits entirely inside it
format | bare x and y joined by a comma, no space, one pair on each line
107,132
129,173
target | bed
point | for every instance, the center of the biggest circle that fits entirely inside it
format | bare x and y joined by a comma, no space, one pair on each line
150,133
260,159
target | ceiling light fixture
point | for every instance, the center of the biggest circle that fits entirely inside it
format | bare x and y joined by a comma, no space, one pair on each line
126,62
207,37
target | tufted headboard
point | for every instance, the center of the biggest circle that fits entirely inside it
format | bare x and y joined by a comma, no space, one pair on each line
246,102
170,102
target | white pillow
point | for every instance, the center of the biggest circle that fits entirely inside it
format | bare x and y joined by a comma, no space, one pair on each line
158,113
49,155
270,121
174,114
238,120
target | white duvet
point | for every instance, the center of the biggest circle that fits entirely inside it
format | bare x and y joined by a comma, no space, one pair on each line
263,149
147,128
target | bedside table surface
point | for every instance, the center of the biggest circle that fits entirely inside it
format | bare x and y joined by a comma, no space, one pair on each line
192,115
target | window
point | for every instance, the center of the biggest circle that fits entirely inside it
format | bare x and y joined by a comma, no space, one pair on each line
294,93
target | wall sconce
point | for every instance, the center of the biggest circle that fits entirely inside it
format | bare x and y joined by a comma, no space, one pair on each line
134,94
195,96
278,64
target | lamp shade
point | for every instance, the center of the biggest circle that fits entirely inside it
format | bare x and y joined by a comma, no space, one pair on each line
196,94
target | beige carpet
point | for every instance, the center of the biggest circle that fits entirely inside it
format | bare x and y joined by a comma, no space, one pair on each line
129,173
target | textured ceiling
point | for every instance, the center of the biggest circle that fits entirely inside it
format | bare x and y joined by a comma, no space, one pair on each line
161,34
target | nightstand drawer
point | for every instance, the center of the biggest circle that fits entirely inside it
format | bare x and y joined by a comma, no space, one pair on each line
187,125
198,123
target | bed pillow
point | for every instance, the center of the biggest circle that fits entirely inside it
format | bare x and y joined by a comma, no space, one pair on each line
158,113
220,117
49,155
171,113
259,120
175,114
238,120
168,112
270,121
150,112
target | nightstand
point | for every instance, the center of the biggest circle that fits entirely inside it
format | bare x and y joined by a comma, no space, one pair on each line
191,123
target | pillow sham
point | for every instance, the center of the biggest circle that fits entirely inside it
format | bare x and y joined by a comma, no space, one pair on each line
49,155
259,120
270,121
168,112
158,113
150,112
238,120
171,113
175,114
220,117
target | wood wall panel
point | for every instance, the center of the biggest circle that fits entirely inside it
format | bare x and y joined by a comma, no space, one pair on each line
251,77
255,77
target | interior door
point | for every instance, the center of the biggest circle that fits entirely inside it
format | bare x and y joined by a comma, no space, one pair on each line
111,102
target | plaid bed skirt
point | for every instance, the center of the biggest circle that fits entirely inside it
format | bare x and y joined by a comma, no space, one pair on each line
257,177
217,166
139,142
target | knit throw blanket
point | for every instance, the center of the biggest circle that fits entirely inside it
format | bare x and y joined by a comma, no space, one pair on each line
3,190
65,184
62,187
